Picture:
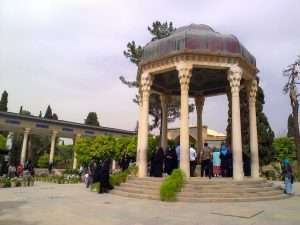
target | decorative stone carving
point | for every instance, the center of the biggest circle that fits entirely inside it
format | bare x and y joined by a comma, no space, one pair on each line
234,77
199,102
26,131
251,90
184,74
146,82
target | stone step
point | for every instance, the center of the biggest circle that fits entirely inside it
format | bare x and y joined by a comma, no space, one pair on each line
224,186
138,190
134,195
145,187
223,181
228,190
140,182
241,199
150,179
228,195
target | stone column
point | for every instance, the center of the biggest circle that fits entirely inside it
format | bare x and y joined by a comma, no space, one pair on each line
199,102
139,128
114,164
164,130
74,157
184,74
24,145
252,90
146,82
234,77
53,138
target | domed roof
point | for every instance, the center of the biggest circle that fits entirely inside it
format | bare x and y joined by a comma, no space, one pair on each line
200,38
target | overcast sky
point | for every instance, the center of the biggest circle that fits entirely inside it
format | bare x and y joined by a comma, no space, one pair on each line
69,53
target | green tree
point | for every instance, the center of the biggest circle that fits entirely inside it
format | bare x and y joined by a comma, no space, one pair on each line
132,146
121,147
284,148
54,116
92,119
4,101
292,73
48,114
290,126
104,147
40,115
43,161
83,149
2,142
24,112
264,132
65,152
134,53
153,142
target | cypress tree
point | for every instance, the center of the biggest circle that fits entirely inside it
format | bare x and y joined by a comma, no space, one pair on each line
48,114
54,116
4,101
92,119
265,134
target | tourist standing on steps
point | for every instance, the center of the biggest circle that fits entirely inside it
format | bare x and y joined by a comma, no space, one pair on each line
206,164
178,155
216,163
170,161
287,173
193,162
225,162
125,161
157,162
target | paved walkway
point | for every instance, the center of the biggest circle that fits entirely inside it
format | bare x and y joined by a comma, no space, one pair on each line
72,204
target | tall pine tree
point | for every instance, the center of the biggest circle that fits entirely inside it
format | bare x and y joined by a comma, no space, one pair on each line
4,101
265,134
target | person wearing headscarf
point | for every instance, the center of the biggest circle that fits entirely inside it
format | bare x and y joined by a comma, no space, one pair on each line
170,161
125,161
287,173
104,178
216,163
157,162
225,162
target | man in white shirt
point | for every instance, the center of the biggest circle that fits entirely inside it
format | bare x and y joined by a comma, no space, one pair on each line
193,162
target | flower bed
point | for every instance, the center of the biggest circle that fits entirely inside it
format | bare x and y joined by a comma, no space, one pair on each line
65,179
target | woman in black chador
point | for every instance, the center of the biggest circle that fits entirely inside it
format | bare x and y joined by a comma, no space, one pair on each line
157,161
170,160
104,178
125,161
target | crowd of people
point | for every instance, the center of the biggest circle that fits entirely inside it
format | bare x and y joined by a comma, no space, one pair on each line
16,169
213,161
98,171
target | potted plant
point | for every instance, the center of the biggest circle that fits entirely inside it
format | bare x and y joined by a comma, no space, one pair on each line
133,169
14,181
3,180
23,181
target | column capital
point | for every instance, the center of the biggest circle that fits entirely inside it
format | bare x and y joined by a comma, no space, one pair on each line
234,77
54,133
26,131
184,74
251,88
163,99
199,101
145,84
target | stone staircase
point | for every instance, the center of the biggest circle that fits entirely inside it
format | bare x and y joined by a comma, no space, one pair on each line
204,190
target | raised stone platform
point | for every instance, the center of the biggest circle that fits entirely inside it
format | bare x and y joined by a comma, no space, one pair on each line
204,190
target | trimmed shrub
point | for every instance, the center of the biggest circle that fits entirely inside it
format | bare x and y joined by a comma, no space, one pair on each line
171,186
